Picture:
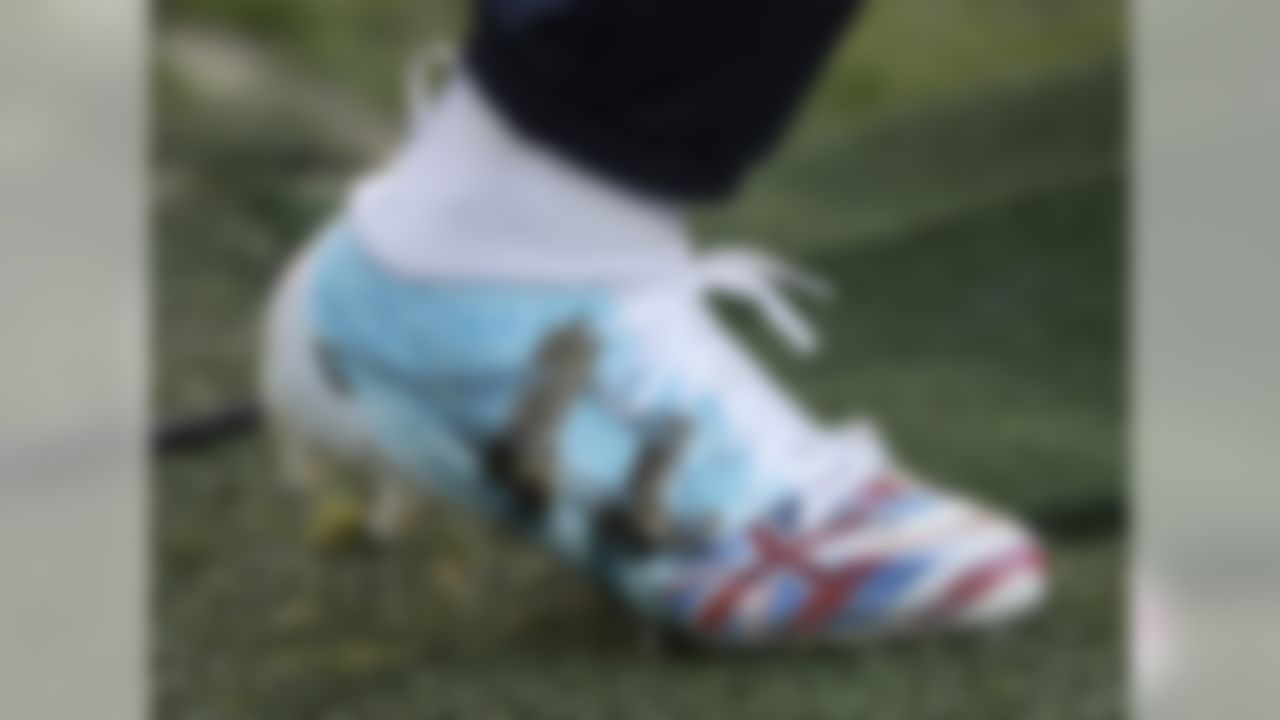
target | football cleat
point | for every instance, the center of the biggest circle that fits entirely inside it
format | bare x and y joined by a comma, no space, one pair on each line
624,430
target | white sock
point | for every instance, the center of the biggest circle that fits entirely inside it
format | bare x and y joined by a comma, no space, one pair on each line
470,197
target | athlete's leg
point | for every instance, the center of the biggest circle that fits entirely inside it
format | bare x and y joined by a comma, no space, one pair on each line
678,97
538,203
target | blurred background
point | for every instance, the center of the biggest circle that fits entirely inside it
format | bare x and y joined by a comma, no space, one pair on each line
959,174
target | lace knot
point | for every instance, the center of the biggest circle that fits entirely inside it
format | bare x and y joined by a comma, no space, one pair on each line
761,281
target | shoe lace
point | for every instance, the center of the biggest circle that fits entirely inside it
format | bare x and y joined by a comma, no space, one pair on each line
694,354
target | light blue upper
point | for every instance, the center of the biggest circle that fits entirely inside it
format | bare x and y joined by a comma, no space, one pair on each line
438,367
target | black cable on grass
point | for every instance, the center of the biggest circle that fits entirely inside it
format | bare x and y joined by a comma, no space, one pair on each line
1101,516
202,431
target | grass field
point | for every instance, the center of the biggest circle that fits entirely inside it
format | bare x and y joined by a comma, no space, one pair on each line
960,177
